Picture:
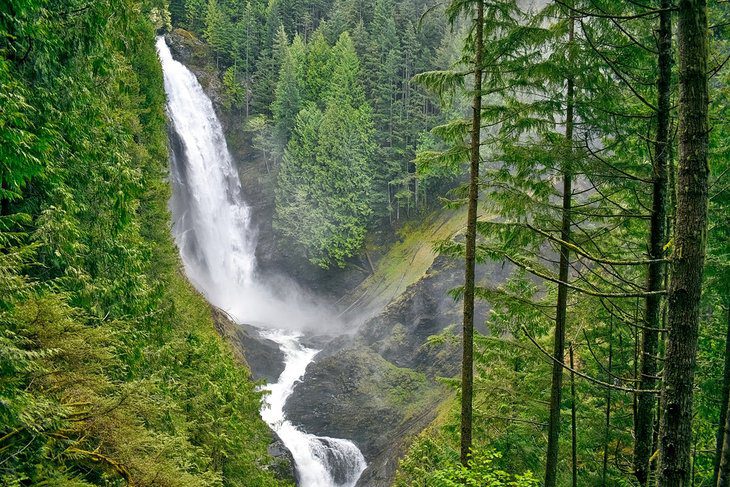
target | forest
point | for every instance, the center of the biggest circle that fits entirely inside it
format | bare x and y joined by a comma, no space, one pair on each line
583,144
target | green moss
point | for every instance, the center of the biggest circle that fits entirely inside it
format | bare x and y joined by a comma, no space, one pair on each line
408,260
395,388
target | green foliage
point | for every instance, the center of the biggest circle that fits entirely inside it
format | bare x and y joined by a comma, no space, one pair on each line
481,472
289,91
111,372
263,75
324,184
610,164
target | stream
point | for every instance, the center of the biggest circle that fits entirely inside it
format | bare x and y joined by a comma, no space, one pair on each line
211,227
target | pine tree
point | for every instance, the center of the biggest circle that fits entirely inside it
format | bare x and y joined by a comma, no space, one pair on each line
688,254
324,186
289,95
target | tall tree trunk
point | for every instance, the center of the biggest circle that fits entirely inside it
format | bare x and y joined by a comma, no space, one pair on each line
573,422
685,287
5,202
467,363
644,425
607,431
551,463
723,473
723,435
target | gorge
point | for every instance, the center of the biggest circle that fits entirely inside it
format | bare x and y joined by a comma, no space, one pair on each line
211,228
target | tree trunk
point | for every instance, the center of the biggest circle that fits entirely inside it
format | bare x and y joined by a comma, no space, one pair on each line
685,287
657,236
5,202
723,473
723,436
607,431
573,425
551,463
467,364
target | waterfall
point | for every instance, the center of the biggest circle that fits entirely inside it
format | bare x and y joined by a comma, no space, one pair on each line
321,460
212,229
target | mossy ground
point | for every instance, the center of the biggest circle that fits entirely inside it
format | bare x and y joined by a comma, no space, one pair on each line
407,260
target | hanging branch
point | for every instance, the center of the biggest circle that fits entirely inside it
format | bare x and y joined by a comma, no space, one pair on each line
628,321
98,457
581,374
592,271
600,364
550,278
615,70
584,13
580,251
635,41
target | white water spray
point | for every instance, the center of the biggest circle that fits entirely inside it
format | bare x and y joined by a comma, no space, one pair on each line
212,230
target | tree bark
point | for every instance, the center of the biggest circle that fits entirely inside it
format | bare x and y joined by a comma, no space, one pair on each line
551,463
644,425
467,364
685,287
723,472
573,422
723,435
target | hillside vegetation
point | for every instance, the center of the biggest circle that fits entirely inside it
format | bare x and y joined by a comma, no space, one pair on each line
110,369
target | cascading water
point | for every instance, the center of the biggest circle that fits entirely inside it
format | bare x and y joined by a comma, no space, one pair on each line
321,461
212,230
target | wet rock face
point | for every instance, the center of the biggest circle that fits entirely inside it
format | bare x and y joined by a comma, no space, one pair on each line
283,462
378,388
197,57
262,356
358,395
401,332
265,358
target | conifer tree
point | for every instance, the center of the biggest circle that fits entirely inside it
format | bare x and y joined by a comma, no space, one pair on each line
688,255
318,68
268,70
290,92
467,362
324,186
657,239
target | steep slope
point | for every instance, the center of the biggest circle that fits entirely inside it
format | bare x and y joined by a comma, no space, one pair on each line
380,386
111,371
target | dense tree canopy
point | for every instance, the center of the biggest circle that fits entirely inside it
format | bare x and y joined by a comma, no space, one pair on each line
584,167
277,57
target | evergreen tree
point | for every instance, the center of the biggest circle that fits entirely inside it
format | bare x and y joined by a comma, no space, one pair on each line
289,91
688,255
268,69
323,194
317,69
